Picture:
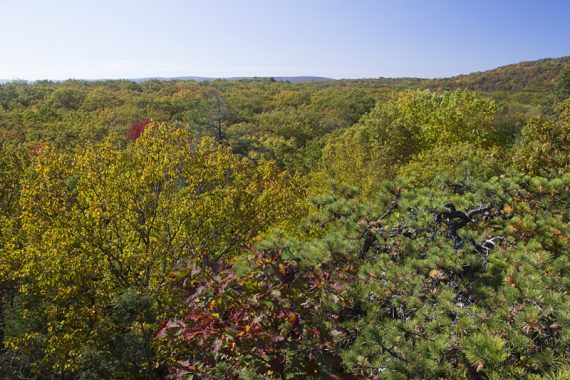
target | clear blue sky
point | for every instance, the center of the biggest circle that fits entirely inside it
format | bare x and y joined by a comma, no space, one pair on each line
59,39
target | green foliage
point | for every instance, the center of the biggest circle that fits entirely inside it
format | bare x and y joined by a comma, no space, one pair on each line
392,133
451,293
486,352
545,144
461,164
67,98
563,89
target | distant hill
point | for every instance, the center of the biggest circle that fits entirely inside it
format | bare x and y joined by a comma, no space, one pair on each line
296,79
293,79
535,76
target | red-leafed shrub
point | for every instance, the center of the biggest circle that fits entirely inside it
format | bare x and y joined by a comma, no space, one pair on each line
271,321
137,129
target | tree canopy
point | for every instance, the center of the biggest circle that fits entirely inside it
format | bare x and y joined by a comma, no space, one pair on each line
355,229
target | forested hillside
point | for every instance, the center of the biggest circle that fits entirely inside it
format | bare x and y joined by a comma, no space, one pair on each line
534,76
251,229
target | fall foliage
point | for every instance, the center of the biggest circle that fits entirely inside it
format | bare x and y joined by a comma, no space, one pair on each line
373,229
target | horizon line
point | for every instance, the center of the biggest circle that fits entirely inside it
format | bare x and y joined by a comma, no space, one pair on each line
243,77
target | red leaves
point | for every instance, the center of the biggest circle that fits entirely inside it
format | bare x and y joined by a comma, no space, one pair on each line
161,333
169,325
137,129
256,319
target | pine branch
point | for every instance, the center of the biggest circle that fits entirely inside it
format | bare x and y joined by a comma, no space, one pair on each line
456,220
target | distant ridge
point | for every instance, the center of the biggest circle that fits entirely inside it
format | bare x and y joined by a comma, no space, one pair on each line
293,79
535,76
211,79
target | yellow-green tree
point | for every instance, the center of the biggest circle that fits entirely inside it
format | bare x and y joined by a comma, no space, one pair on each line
12,163
393,132
106,229
458,164
545,144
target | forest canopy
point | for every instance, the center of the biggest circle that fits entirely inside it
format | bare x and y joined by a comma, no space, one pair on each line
256,229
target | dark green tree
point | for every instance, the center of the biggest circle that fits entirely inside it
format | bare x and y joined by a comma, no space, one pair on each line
563,88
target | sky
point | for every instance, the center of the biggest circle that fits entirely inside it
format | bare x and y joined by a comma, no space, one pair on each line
97,39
